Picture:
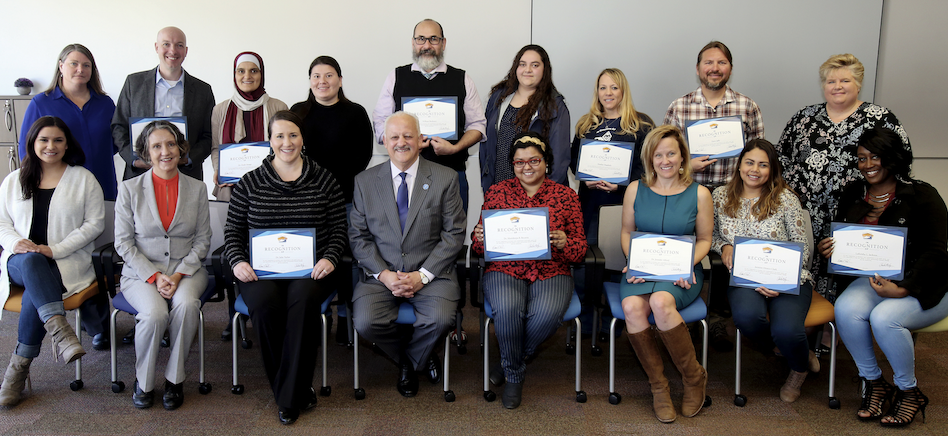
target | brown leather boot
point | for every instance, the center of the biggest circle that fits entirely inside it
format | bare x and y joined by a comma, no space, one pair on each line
650,357
64,339
14,380
693,375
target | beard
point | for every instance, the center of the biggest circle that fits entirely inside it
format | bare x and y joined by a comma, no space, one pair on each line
714,86
427,59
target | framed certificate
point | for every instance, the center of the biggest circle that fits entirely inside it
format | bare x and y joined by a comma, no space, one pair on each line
717,138
601,160
282,253
137,125
774,265
239,159
516,234
661,258
438,116
864,250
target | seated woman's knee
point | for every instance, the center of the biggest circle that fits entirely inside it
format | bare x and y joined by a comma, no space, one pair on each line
662,304
635,307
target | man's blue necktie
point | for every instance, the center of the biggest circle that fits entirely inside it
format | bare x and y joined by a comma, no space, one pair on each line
402,200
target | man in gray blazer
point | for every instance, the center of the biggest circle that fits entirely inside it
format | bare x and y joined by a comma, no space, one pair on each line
165,91
406,228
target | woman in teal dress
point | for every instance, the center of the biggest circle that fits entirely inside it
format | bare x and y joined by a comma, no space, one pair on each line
668,201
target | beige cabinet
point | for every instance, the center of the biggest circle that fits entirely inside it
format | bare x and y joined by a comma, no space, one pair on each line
14,108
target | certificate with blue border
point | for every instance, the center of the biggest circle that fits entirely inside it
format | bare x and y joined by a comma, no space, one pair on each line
516,234
865,250
438,116
775,265
283,253
137,124
661,258
717,138
610,161
235,160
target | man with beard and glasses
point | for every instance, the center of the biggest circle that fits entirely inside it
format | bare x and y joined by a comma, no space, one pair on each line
712,100
429,76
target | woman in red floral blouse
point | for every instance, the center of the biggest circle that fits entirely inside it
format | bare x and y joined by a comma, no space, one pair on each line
529,297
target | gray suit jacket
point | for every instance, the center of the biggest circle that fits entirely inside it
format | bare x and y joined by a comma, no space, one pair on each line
137,99
434,230
142,241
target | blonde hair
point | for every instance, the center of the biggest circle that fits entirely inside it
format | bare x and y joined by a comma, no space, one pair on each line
846,60
630,122
651,143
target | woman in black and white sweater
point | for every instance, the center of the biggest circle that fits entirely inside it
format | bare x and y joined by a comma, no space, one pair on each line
287,191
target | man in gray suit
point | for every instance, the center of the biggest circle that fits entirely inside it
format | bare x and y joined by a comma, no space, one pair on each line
406,228
166,91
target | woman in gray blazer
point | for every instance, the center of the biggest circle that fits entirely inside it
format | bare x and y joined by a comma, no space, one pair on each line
162,232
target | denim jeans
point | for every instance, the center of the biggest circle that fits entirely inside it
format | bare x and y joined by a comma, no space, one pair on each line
42,298
784,327
861,314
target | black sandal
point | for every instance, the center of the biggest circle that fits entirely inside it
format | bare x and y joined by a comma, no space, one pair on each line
905,406
875,393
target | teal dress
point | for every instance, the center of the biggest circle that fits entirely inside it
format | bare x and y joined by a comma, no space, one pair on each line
670,215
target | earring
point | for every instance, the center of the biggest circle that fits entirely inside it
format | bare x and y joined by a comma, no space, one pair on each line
681,170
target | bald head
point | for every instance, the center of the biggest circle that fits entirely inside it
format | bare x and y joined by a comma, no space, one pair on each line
172,47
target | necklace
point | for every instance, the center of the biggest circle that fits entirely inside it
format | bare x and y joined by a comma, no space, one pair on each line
879,198
610,122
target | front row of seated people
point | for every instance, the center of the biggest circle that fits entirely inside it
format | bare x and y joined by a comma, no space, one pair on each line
406,229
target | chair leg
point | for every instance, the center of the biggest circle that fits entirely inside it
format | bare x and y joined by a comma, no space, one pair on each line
580,394
236,387
614,397
489,395
739,399
324,391
77,383
117,385
448,393
204,387
359,392
833,401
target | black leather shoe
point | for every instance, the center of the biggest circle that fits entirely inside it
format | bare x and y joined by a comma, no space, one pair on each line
497,375
226,334
174,395
129,337
311,401
433,369
142,400
407,380
288,416
101,342
165,341
512,395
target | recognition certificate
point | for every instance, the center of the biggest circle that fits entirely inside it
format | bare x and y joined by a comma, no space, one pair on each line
282,253
438,116
516,234
661,258
715,137
239,159
864,250
610,161
137,125
774,265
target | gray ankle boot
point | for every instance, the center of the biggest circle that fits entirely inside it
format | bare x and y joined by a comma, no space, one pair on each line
64,339
14,380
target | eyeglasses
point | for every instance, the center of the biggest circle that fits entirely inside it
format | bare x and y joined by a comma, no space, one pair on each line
434,40
533,162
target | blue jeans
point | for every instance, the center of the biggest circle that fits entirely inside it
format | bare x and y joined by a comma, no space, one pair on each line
861,314
784,327
42,298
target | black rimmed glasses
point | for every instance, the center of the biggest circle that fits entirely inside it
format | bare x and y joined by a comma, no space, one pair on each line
533,162
434,40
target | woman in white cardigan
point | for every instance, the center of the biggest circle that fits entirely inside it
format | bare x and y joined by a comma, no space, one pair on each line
51,211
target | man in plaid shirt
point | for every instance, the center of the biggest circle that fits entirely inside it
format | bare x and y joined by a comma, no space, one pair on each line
715,99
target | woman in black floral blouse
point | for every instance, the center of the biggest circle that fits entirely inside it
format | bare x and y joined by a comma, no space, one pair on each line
818,147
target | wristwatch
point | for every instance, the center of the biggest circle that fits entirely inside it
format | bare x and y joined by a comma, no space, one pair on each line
424,278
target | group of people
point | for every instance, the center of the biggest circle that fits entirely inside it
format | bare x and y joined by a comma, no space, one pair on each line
404,220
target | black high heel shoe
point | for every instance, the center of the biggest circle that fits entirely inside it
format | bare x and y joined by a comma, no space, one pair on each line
905,406
875,393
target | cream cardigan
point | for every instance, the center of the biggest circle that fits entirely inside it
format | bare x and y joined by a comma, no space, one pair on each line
76,218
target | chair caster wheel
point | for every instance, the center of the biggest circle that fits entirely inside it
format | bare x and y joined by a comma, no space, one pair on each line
360,394
615,398
570,349
490,396
237,389
740,400
204,388
581,397
325,391
834,403
75,385
596,351
449,396
246,344
462,349
118,386
707,401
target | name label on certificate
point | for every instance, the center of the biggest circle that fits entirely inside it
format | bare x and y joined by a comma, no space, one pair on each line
137,125
517,234
774,265
717,138
438,116
609,161
282,253
864,250
661,258
239,159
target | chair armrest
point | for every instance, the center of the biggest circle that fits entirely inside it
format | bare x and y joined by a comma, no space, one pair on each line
98,266
595,263
477,278
462,271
